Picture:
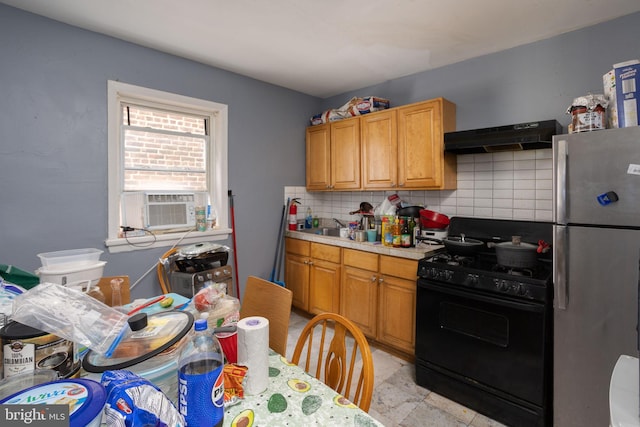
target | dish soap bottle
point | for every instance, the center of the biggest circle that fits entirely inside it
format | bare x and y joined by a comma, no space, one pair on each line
308,221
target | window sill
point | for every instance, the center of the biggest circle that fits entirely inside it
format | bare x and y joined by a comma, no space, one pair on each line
117,245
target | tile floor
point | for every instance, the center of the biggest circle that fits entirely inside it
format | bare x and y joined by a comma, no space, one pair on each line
397,399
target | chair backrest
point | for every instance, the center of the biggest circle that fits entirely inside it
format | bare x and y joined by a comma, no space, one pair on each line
273,302
340,355
105,287
163,271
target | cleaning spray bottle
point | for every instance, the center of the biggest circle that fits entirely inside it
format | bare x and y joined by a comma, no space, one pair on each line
308,221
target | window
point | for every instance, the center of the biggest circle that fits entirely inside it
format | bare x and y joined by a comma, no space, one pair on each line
167,154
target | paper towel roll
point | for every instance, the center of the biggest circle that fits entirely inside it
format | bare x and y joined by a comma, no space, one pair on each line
253,352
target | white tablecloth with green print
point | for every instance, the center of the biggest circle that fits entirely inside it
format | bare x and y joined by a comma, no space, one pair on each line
295,398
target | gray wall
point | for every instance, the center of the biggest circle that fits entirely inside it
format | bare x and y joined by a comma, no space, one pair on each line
532,82
53,126
53,143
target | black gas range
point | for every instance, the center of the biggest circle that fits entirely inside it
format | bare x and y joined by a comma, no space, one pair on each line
484,331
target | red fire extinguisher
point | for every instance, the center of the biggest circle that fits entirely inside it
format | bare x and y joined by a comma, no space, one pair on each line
293,215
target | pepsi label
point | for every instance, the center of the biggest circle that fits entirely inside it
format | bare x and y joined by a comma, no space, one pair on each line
201,393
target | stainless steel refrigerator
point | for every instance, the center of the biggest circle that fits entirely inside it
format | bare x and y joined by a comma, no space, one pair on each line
596,265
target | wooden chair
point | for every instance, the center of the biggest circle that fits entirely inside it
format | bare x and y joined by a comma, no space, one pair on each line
273,302
347,371
163,273
105,287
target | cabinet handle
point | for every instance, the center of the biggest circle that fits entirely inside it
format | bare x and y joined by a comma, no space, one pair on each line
373,278
393,184
310,263
306,262
401,185
381,279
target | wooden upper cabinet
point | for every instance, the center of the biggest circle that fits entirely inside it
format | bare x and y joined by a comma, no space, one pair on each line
379,150
318,157
345,154
422,162
333,156
399,148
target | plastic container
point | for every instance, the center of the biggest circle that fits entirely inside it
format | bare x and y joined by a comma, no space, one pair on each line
201,379
150,352
76,257
86,399
25,349
72,274
12,385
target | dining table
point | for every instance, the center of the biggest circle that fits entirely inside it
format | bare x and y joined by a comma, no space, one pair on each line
295,398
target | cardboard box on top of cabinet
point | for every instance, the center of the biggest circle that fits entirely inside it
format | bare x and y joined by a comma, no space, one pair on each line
627,92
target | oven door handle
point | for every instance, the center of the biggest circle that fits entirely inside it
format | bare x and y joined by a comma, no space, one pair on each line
525,306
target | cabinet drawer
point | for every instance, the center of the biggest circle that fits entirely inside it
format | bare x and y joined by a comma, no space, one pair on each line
296,246
325,252
399,267
360,259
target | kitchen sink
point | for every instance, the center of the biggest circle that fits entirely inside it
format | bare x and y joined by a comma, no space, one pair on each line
333,232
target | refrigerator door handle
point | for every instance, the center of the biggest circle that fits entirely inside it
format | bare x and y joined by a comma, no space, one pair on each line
560,281
561,182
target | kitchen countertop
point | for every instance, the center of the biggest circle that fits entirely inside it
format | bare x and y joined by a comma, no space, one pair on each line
377,247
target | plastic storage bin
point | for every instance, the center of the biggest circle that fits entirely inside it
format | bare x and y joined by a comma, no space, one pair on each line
64,259
72,273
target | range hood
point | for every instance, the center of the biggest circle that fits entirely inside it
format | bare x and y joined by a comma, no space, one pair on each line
521,136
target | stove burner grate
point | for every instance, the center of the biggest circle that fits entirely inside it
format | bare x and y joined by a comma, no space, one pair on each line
522,272
449,259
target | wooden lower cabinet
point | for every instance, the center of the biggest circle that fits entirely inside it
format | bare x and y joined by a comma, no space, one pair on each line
376,292
359,294
296,271
312,272
397,303
324,278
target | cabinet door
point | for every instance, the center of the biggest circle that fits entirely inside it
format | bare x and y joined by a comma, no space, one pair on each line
379,150
397,313
421,157
324,287
359,298
345,154
297,279
318,157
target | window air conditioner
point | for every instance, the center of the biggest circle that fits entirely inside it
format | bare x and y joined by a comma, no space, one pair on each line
161,210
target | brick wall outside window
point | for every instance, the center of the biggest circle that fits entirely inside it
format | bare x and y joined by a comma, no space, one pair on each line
164,162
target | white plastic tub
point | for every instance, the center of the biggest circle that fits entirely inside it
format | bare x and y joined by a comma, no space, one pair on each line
71,258
73,274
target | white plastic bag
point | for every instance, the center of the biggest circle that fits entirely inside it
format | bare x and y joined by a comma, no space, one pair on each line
69,314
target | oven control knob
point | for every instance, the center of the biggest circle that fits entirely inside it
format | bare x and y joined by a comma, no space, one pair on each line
502,285
447,275
520,289
471,279
217,273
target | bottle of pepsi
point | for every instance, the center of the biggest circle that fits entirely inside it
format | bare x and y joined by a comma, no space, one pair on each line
200,379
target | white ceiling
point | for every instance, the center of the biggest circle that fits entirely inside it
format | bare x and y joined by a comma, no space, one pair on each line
327,47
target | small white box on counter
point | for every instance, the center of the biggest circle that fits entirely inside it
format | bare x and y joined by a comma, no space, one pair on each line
627,92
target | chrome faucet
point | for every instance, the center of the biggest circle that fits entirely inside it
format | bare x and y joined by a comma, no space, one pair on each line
339,223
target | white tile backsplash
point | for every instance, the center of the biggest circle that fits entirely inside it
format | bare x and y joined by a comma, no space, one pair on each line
506,185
